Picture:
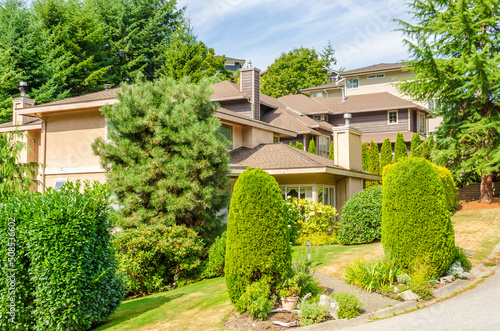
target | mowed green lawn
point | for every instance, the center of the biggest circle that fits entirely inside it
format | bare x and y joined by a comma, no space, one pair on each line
205,305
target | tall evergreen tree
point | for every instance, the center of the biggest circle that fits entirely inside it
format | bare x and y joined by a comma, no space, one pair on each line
312,146
331,154
416,145
454,47
166,161
373,156
427,146
364,156
400,150
385,154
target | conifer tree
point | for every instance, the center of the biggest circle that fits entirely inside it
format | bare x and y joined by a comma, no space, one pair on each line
364,156
416,146
427,146
373,156
400,150
166,161
331,154
385,154
299,145
312,146
458,42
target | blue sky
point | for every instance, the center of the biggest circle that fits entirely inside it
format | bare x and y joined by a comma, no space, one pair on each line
361,31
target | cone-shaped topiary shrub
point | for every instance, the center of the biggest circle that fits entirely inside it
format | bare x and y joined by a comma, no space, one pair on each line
312,146
364,156
257,243
385,154
416,145
361,217
400,150
331,154
416,225
450,189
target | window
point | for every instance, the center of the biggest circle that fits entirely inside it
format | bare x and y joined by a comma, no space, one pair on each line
317,94
58,183
227,132
376,76
303,192
392,117
352,83
422,123
326,196
432,104
323,146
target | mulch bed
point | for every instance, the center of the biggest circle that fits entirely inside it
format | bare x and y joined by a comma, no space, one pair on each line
471,205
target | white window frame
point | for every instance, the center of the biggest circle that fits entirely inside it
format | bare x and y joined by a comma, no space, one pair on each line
376,76
57,181
389,117
347,81
419,126
316,94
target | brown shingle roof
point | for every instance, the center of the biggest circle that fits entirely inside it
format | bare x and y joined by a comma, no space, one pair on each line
303,104
11,124
277,156
226,89
102,95
321,87
373,68
379,137
285,119
365,102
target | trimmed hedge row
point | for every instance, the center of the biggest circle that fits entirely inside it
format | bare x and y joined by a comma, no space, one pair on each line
416,226
257,245
63,264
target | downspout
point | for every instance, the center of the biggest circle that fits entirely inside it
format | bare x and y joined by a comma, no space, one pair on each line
44,129
326,93
342,88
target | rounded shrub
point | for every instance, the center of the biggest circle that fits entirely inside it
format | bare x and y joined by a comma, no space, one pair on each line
216,257
450,189
361,217
416,225
257,243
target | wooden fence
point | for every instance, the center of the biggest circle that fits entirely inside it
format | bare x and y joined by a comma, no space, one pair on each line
473,191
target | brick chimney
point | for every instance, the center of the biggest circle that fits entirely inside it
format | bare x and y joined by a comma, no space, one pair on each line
19,103
250,86
347,146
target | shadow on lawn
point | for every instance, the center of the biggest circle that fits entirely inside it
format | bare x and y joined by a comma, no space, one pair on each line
133,308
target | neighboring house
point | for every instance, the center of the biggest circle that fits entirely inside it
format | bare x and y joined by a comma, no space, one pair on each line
63,131
233,64
376,78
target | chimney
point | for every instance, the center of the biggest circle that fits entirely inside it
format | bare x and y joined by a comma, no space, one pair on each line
347,146
20,103
250,86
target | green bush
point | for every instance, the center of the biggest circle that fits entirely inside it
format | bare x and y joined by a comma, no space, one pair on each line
416,224
371,275
257,243
313,217
256,300
154,257
65,264
461,257
450,189
400,150
311,312
216,258
385,154
349,304
317,239
361,217
312,146
305,277
364,156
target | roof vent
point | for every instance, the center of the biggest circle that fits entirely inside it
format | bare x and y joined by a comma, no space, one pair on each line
22,89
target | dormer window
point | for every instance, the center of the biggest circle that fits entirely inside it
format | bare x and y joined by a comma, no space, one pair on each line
320,118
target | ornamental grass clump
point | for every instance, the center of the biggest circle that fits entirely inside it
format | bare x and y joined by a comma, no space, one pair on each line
416,223
257,245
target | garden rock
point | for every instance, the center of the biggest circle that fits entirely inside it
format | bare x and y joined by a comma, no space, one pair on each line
447,279
330,304
408,295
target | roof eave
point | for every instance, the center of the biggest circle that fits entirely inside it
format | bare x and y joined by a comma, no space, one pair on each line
37,111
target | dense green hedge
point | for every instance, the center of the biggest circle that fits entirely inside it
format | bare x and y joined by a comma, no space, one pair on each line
65,267
450,189
154,257
257,238
216,258
416,226
361,217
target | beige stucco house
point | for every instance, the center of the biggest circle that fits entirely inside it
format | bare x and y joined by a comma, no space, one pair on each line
61,134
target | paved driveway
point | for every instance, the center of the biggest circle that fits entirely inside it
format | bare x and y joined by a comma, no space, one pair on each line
476,309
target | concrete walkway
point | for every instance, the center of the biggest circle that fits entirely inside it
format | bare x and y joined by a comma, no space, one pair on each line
371,301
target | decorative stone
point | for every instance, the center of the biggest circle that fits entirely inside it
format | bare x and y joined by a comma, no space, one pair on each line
330,304
408,295
447,279
396,289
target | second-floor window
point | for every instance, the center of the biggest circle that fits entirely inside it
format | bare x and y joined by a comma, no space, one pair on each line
392,117
422,123
352,83
317,94
227,131
323,146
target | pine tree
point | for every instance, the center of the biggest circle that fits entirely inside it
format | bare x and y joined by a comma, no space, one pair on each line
385,154
457,42
400,150
416,146
312,146
373,156
166,161
364,156
331,154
